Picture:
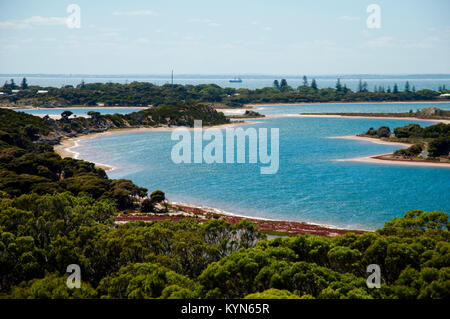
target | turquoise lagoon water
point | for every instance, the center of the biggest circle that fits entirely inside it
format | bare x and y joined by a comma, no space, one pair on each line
348,108
309,186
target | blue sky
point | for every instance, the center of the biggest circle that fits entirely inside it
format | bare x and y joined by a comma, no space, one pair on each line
225,37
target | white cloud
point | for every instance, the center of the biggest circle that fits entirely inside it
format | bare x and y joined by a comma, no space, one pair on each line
142,41
31,22
380,42
267,28
390,42
228,46
316,44
206,21
349,18
135,13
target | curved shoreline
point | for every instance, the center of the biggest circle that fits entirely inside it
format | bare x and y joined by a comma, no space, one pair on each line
377,159
205,213
64,149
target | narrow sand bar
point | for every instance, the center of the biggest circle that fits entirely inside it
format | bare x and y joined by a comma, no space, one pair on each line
379,158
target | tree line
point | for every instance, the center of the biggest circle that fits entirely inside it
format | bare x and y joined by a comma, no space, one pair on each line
145,94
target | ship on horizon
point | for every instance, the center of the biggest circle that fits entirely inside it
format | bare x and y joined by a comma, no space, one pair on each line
236,80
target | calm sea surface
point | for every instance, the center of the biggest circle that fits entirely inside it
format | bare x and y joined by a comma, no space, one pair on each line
309,186
248,81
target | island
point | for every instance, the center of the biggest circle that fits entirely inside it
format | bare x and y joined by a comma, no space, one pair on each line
145,94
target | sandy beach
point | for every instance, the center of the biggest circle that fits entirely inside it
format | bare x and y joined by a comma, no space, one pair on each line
379,158
370,140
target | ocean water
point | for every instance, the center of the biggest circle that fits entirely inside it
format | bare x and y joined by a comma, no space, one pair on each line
310,184
432,82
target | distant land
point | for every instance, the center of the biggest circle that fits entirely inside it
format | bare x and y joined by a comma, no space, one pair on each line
243,75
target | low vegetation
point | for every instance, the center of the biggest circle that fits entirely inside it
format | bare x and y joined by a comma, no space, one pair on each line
430,142
145,94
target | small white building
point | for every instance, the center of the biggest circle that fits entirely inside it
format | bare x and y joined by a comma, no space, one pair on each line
15,91
42,91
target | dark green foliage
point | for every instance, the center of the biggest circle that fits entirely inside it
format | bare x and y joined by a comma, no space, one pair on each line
145,94
147,206
435,138
157,196
146,280
51,287
411,151
383,131
29,167
43,234
439,147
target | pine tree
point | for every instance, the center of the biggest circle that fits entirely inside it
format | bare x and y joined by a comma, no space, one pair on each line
360,86
365,87
338,85
395,90
276,84
305,80
407,88
314,84
13,84
24,84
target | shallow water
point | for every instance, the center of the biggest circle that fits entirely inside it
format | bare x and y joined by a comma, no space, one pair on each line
309,185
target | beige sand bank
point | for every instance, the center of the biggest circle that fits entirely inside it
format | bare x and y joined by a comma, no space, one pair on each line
369,139
377,159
